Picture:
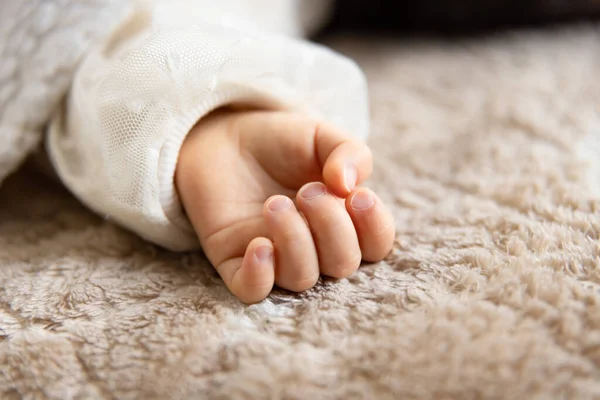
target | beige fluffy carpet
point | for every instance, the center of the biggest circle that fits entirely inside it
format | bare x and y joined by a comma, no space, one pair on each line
489,153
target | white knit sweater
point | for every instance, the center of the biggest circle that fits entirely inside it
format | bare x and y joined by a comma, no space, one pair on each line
141,85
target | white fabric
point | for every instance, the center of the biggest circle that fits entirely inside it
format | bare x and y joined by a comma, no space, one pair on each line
43,41
41,44
137,95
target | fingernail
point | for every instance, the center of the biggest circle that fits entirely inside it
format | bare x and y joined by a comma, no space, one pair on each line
350,176
279,203
264,253
312,190
362,200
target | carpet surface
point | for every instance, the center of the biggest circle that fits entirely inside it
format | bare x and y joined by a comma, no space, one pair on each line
488,152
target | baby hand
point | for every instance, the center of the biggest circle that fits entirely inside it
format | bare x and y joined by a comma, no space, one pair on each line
273,198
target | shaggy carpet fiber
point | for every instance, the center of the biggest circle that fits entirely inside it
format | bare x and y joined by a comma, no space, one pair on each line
488,152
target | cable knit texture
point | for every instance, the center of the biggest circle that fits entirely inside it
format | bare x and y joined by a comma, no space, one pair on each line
487,152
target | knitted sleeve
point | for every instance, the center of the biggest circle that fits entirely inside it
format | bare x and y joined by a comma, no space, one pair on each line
137,95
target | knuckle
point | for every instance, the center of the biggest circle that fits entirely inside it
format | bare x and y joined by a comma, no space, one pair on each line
383,242
292,235
385,233
304,283
346,267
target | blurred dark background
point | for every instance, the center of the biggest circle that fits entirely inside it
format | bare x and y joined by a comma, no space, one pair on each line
455,17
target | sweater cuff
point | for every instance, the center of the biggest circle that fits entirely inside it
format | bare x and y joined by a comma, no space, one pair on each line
169,153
